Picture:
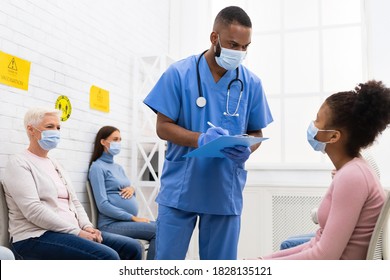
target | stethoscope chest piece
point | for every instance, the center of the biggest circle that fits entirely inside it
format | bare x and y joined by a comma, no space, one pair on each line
201,101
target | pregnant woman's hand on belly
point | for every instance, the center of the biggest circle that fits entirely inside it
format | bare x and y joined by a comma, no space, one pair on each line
127,192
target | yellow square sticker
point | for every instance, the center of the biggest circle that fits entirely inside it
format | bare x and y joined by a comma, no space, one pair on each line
14,71
99,99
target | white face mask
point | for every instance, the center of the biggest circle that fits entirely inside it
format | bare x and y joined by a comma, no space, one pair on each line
229,59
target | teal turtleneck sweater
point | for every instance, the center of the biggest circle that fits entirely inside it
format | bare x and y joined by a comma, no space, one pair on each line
107,179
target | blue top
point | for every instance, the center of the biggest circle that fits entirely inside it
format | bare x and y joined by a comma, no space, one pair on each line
206,185
107,179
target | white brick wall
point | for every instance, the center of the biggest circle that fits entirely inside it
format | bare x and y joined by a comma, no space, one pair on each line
73,45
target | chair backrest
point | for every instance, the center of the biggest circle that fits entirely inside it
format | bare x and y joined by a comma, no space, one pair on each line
380,234
93,208
4,234
386,238
366,154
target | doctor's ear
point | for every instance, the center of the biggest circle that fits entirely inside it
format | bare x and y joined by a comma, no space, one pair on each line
214,41
214,38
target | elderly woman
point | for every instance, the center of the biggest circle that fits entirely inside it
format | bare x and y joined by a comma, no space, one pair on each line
46,220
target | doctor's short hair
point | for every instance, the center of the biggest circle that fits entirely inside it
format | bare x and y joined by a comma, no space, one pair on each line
233,14
34,116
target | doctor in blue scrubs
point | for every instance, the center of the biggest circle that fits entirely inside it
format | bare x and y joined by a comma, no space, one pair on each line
209,87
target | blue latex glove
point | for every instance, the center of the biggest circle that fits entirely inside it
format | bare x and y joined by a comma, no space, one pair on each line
238,154
211,134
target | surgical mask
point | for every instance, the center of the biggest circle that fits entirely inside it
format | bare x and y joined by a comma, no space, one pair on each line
312,131
115,148
49,139
229,59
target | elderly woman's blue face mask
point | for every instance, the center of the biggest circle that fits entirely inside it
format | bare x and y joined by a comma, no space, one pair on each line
49,139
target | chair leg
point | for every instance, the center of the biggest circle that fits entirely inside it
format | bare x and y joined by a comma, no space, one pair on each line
144,246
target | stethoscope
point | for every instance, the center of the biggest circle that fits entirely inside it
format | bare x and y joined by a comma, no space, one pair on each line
201,100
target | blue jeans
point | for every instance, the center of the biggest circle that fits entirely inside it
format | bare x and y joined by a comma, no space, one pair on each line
296,240
144,231
63,246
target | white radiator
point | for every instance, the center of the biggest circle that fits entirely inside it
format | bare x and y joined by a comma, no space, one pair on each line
291,216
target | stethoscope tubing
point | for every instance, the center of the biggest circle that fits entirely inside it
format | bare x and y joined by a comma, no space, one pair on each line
201,100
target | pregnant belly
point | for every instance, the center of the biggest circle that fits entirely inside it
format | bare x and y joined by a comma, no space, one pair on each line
129,205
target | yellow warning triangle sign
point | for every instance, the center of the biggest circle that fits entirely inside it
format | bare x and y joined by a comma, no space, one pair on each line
12,65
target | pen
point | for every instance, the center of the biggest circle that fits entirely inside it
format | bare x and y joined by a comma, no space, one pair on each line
210,124
241,135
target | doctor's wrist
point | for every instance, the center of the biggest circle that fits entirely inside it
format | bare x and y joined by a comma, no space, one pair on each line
201,139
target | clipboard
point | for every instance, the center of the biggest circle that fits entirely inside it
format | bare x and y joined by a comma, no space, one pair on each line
213,148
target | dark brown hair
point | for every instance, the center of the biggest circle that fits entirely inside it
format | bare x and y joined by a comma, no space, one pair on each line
98,148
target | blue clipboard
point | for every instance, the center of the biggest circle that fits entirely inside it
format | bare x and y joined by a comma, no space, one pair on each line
213,148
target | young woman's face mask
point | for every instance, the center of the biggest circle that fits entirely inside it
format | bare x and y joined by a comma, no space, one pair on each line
312,131
115,148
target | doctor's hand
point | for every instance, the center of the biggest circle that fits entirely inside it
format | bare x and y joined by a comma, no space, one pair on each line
211,134
238,154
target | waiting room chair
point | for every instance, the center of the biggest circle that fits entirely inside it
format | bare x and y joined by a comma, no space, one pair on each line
94,217
386,237
4,234
379,242
6,253
92,205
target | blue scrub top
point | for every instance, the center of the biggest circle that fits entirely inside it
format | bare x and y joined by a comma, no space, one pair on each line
206,185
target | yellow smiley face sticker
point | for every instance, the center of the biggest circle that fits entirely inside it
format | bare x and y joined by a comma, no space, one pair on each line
64,105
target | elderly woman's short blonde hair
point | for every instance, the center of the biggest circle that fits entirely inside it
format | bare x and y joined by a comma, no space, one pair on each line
34,116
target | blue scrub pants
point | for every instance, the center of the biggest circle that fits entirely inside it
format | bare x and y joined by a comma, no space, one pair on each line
63,246
218,234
